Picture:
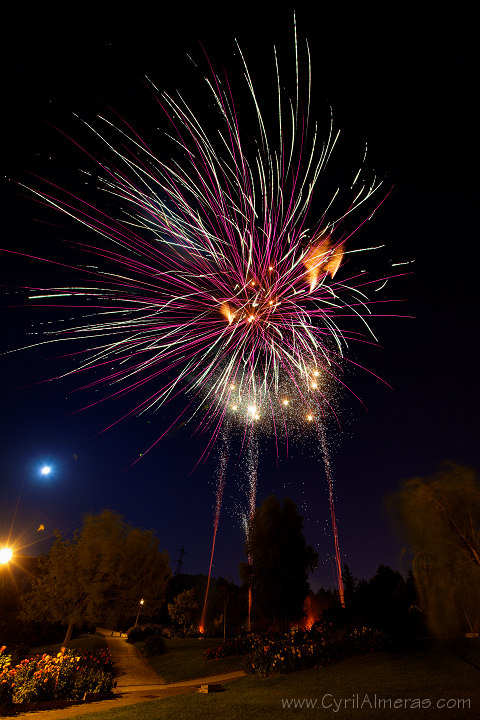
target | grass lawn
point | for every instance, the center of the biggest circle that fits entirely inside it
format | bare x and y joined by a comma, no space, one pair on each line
429,673
184,660
81,643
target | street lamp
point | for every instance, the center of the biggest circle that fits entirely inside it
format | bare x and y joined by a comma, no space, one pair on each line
5,555
141,602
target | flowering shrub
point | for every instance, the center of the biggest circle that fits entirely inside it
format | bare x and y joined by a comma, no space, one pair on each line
238,646
270,652
300,649
4,659
62,677
5,685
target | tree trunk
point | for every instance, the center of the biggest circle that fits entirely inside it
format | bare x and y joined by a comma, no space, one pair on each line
67,639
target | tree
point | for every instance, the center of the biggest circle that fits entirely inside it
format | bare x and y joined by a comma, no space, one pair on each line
184,609
280,561
440,516
383,603
350,587
99,576
226,607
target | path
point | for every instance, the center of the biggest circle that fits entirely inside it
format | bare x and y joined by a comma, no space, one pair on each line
136,682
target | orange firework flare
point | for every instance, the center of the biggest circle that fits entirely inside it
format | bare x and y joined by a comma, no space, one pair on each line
323,258
226,312
309,613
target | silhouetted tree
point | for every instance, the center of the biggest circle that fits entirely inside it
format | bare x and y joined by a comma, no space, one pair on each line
99,576
349,587
441,519
226,608
280,561
384,602
184,609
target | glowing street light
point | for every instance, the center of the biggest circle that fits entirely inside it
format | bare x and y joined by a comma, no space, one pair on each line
140,603
45,470
5,555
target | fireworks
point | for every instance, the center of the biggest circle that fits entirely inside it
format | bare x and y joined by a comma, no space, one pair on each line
220,280
223,280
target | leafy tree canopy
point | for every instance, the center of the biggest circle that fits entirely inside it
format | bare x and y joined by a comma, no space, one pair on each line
99,576
440,516
184,609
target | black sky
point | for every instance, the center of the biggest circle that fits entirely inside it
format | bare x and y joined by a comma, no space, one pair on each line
406,84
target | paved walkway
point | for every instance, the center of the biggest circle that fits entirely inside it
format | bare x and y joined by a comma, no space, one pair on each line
136,682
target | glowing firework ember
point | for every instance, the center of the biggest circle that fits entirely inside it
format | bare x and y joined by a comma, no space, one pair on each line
224,286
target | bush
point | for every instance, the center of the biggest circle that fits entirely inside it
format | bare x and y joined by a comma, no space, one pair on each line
137,633
192,631
168,632
238,646
153,646
6,690
62,677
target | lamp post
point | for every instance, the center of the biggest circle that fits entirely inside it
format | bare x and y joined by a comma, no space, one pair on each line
141,602
5,555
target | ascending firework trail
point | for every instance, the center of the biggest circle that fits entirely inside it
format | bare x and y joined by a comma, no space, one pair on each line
221,478
338,558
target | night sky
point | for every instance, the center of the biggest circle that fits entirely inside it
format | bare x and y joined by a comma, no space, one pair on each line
407,85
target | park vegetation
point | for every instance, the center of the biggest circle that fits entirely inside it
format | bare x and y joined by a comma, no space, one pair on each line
440,518
98,576
279,562
65,676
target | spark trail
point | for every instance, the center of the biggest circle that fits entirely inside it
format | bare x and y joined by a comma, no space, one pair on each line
221,479
338,558
221,281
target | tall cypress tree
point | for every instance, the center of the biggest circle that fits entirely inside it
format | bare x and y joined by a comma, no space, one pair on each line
280,561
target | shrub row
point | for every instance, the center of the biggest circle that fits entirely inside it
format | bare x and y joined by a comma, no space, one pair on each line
139,633
269,652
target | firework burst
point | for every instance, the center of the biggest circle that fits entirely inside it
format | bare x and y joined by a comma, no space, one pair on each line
222,280
222,288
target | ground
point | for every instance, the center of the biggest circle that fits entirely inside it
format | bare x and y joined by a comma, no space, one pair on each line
446,671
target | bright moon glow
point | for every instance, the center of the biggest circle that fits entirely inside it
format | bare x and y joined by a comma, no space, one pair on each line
5,555
46,470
